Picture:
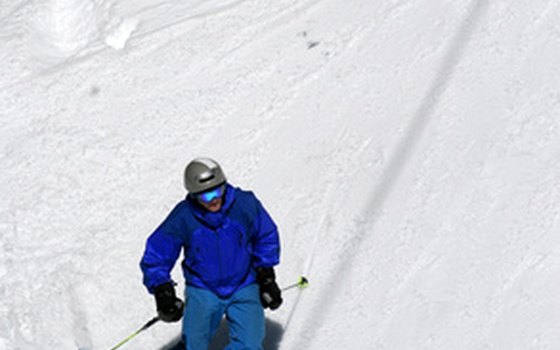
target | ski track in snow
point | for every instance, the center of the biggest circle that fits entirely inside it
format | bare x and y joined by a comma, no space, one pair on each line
413,173
388,181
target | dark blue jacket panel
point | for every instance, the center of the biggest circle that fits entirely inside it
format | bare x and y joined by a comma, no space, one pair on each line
221,250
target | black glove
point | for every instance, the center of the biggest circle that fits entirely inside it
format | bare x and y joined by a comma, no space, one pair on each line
169,307
271,295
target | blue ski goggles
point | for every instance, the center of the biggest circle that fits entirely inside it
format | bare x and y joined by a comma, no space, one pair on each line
209,196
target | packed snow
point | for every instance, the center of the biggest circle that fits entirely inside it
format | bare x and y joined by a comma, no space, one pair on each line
407,149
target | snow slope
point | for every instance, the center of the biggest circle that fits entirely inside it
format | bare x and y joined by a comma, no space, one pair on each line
407,149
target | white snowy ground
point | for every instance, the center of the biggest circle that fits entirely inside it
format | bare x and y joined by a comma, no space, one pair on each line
409,151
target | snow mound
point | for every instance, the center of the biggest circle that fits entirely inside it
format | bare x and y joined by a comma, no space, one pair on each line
62,28
118,38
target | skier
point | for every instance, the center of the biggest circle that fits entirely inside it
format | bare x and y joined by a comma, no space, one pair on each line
230,246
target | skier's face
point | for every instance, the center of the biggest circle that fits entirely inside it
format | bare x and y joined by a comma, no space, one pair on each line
212,200
214,206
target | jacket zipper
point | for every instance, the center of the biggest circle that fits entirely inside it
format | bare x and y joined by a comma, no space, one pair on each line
218,250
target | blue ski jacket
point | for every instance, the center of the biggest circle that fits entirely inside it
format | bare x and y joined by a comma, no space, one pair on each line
221,250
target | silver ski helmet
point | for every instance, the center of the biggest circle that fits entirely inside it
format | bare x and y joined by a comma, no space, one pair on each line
202,174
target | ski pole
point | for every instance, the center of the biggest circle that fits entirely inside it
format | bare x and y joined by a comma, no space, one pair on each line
302,283
144,327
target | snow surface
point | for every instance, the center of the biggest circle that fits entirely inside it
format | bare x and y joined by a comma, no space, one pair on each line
408,149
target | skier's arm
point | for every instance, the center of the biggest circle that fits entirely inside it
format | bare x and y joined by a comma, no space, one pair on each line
266,255
162,251
266,240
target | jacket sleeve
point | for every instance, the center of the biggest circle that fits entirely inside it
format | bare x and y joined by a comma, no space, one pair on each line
162,251
266,249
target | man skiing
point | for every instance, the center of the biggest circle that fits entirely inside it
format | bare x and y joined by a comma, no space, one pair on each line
230,247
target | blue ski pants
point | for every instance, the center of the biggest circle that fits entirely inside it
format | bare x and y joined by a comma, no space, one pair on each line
204,311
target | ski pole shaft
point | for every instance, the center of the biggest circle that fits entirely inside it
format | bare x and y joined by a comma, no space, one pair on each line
302,283
144,327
